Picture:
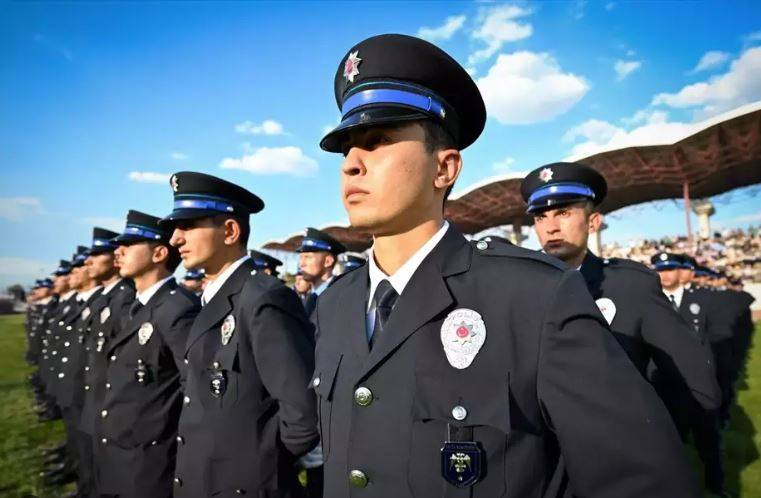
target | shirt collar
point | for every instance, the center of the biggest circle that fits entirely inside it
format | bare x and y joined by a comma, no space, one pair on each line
213,286
111,286
46,300
677,293
68,295
86,295
324,285
148,293
401,278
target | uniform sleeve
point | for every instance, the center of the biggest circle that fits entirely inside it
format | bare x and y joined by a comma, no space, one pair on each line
614,434
284,355
678,354
176,336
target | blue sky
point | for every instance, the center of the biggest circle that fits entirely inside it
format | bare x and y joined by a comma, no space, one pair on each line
101,102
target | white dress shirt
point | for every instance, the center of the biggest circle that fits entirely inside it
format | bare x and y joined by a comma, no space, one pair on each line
678,293
401,277
111,286
213,286
148,293
84,296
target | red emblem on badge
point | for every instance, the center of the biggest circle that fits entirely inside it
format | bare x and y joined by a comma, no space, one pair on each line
351,66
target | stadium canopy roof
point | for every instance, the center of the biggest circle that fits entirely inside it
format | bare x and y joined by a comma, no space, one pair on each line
715,156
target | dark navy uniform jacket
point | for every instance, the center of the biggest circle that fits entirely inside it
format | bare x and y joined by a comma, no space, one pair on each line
247,412
647,327
549,380
136,426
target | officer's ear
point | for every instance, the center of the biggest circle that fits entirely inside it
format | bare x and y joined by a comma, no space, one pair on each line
329,261
160,253
594,221
448,167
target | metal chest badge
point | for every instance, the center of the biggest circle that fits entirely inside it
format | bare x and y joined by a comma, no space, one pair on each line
461,463
144,333
217,383
463,333
228,327
86,313
607,308
694,308
105,313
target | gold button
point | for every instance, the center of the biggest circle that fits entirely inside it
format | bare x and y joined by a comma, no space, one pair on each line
357,478
363,396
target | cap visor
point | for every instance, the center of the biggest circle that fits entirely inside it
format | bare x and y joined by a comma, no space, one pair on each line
189,214
127,238
364,118
554,203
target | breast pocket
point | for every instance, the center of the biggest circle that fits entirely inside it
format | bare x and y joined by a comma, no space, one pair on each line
456,408
323,383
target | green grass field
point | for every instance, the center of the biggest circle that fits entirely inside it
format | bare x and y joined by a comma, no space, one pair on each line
22,435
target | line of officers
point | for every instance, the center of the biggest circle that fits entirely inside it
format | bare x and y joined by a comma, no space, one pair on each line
123,368
476,369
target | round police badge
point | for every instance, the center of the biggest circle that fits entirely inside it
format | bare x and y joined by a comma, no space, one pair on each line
144,333
463,333
694,308
228,327
104,314
664,257
86,313
607,308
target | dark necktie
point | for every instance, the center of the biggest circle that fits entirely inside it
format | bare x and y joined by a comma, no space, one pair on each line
673,302
384,299
134,308
310,303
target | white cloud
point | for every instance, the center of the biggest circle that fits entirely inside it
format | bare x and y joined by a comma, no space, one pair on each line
528,87
451,25
266,127
740,85
598,135
752,38
272,161
149,177
503,166
178,156
19,208
711,60
497,26
115,224
625,68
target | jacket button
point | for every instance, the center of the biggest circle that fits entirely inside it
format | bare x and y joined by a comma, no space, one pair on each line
185,360
64,359
316,382
180,440
482,245
240,491
215,365
108,386
178,481
363,396
104,440
60,375
459,412
357,478
87,388
87,368
186,400
113,357
104,414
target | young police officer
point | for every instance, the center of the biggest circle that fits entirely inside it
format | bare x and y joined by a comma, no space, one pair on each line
247,414
449,368
137,419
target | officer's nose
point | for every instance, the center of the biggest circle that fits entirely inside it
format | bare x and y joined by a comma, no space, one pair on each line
178,238
353,164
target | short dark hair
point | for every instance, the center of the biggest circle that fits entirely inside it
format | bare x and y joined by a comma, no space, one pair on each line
437,138
173,258
245,227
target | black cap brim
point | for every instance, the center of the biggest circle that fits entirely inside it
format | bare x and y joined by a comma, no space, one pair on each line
374,116
100,250
554,203
127,238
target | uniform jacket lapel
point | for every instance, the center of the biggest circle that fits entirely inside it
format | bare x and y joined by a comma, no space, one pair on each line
144,314
425,297
221,304
592,269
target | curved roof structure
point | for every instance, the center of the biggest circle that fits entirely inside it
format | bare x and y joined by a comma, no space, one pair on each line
720,154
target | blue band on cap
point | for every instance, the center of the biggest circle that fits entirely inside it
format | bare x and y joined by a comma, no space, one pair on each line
667,265
317,245
206,204
389,96
103,243
142,232
561,189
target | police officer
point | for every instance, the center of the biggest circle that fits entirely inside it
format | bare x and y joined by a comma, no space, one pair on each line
348,262
247,415
194,282
136,425
264,262
449,368
562,199
318,255
105,317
